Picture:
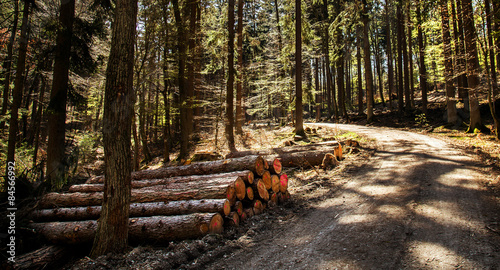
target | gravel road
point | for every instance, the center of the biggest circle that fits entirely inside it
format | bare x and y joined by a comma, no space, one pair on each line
418,203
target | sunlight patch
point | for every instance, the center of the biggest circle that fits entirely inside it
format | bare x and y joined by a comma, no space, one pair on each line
350,219
379,190
434,256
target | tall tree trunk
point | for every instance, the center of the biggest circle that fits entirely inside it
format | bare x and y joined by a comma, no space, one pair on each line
472,65
406,66
421,53
496,27
493,76
7,64
390,69
448,64
463,83
183,92
410,55
56,167
368,65
326,52
401,43
191,81
17,93
167,138
361,108
239,82
317,88
142,125
229,130
299,128
112,228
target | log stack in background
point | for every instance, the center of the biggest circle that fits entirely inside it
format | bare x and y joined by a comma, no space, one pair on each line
181,202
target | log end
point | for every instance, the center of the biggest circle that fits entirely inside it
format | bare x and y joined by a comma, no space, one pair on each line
259,165
216,224
240,188
250,178
227,207
283,183
277,166
275,183
250,194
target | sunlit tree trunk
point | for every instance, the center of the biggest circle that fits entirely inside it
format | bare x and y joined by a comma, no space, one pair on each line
239,83
390,69
448,64
112,229
472,65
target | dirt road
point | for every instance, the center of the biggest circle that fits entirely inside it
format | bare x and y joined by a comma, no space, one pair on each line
417,204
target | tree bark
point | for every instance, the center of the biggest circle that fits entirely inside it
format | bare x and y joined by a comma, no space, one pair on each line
472,65
448,64
360,82
390,68
149,194
56,167
157,229
299,127
239,83
46,257
229,127
368,65
401,36
222,206
288,149
421,53
112,229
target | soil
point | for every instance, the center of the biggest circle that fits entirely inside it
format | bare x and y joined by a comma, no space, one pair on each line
405,201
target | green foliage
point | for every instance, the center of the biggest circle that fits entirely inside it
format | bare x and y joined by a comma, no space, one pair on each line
421,120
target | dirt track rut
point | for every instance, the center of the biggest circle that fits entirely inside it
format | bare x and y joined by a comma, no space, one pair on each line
417,204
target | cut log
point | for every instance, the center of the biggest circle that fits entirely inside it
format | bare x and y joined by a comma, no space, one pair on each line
275,183
222,206
47,257
304,159
273,197
155,229
283,183
258,207
260,189
253,163
53,200
266,179
275,167
246,175
243,216
238,208
240,188
250,194
283,150
233,219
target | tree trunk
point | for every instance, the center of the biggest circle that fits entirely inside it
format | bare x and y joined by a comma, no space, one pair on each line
493,76
157,229
360,82
56,167
7,64
401,36
148,194
173,208
318,91
410,56
183,110
368,65
299,128
210,168
421,53
112,228
390,71
239,83
406,66
463,83
472,65
229,127
18,87
448,64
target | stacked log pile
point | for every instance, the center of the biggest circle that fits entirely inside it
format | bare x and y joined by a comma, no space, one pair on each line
181,202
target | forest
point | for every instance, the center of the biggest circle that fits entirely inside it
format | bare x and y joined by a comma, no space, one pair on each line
129,82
